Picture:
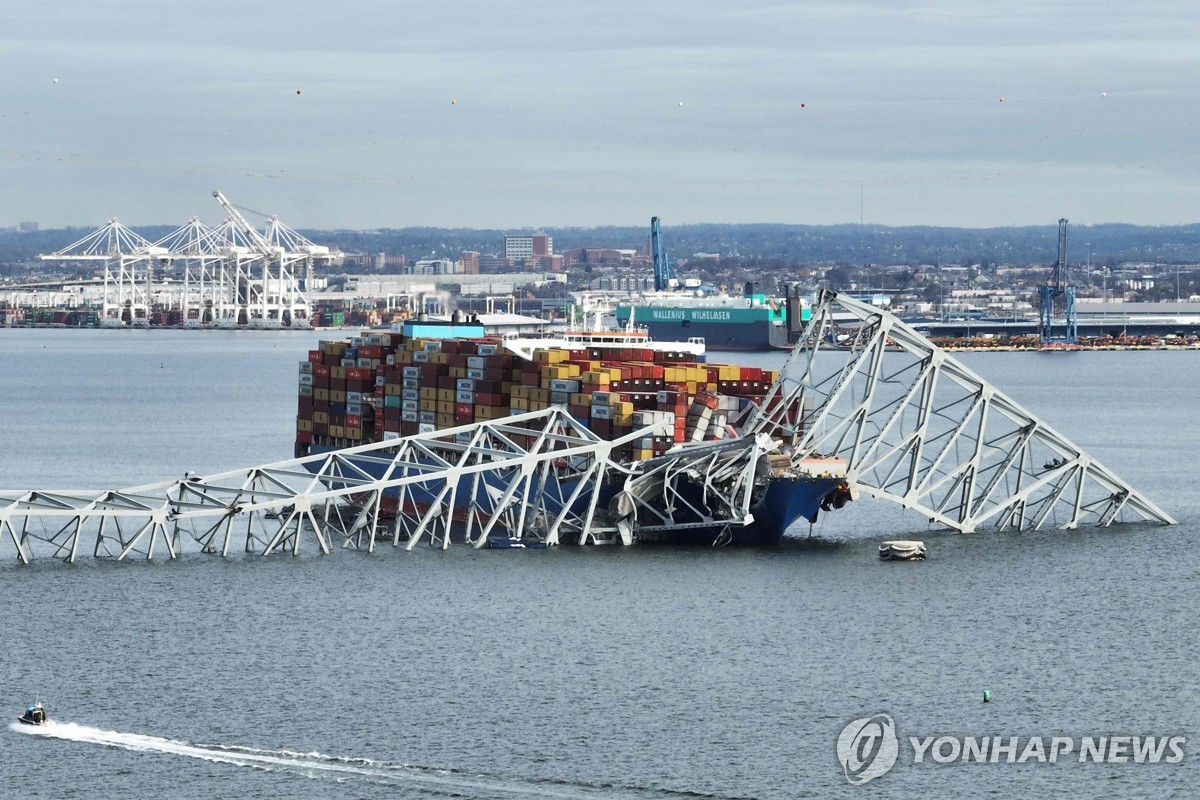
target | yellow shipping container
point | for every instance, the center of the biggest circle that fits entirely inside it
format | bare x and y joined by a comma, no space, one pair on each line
321,417
428,393
520,404
321,394
580,399
439,358
337,431
624,408
446,396
458,372
550,356
403,357
337,373
304,425
337,396
353,433
444,407
445,420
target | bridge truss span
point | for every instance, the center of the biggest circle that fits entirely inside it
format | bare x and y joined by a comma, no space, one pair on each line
919,428
540,474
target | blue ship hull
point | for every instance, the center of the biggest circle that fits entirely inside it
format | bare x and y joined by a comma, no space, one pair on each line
784,502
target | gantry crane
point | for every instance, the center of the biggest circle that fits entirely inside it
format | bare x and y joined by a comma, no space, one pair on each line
1059,285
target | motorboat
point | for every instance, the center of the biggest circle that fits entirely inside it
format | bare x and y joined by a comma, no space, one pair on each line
34,715
902,551
513,543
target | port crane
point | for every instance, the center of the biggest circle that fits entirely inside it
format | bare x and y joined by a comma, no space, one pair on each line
272,299
662,268
1059,285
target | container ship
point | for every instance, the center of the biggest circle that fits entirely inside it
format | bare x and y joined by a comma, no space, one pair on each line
435,376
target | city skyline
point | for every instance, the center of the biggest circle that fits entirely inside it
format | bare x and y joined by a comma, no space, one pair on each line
481,116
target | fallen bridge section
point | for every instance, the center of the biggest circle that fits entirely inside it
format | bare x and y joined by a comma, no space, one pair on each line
538,472
919,428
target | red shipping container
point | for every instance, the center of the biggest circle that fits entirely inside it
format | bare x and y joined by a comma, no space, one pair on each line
304,437
321,369
353,421
315,356
464,410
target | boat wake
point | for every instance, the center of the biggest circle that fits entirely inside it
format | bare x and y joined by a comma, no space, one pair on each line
434,780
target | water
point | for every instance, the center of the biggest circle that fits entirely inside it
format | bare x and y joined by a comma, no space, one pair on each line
566,673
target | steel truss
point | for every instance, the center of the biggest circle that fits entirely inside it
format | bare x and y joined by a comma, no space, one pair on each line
537,476
920,429
709,485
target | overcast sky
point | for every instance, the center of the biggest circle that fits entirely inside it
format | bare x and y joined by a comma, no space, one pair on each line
546,114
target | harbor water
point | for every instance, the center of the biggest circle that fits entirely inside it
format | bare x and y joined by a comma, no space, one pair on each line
571,672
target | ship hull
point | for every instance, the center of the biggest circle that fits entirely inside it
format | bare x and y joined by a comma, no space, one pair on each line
723,329
724,336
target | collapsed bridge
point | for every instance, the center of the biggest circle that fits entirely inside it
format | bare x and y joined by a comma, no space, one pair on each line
901,419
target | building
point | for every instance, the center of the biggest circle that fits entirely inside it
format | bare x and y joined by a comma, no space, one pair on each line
522,247
434,266
468,262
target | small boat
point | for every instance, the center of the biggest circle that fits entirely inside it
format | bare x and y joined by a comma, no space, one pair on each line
902,551
34,715
513,543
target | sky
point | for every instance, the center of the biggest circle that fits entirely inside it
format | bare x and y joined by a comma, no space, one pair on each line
491,114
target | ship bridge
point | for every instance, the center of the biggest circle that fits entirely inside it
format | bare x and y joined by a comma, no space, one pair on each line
905,420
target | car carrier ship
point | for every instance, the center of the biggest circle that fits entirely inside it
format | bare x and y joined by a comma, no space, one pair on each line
434,376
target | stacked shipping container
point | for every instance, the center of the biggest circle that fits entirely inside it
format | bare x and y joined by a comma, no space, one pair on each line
382,386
